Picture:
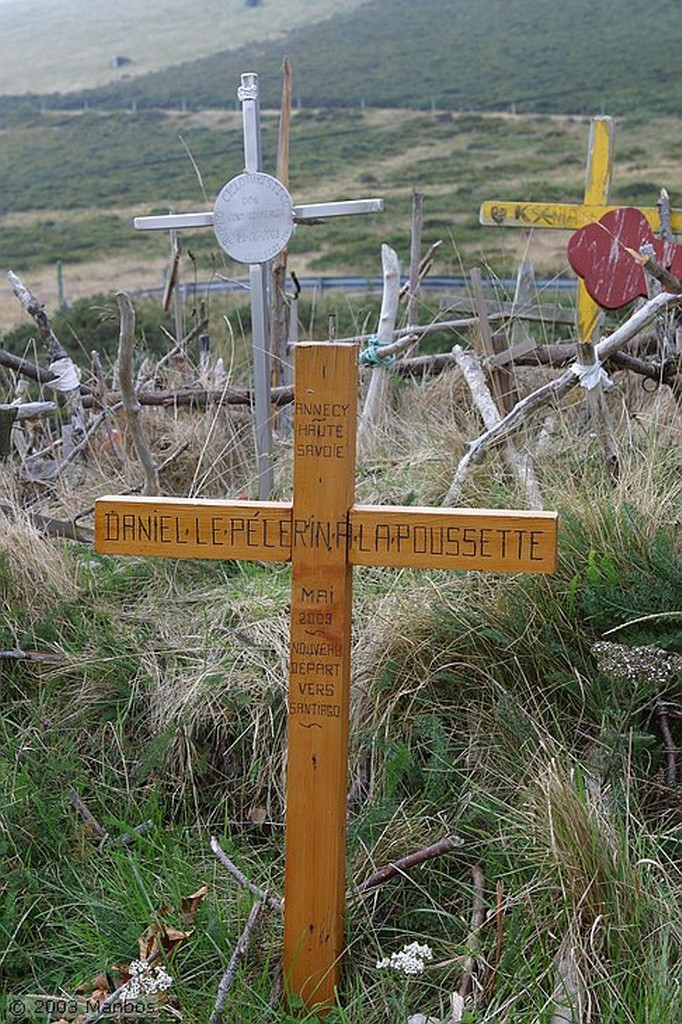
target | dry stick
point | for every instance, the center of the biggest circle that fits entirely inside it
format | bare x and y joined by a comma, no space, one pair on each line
646,258
403,338
424,268
375,399
31,410
557,355
561,386
202,396
86,814
130,401
491,980
404,864
665,227
102,398
520,465
53,527
501,383
131,490
233,870
477,922
25,367
180,347
92,430
669,743
89,818
29,656
415,260
231,972
36,310
56,350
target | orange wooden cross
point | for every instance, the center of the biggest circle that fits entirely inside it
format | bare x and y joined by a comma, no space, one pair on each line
324,534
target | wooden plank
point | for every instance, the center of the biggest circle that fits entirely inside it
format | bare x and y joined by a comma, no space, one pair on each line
561,216
496,540
319,681
193,528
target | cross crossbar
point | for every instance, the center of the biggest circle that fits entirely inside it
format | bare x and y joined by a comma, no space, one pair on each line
309,211
323,533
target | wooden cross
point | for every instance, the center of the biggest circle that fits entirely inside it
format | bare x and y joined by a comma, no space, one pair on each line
571,216
253,219
324,534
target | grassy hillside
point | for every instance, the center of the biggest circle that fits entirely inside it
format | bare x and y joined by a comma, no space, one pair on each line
65,45
72,184
584,56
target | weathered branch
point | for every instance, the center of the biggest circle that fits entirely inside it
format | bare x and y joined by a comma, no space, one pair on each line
562,385
665,227
233,966
80,806
38,656
25,367
65,376
520,465
240,877
36,310
404,864
477,922
200,397
53,527
669,743
375,399
646,258
128,395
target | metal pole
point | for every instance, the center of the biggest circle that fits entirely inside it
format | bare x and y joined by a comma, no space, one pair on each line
258,274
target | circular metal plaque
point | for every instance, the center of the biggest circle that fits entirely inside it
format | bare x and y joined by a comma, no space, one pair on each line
253,218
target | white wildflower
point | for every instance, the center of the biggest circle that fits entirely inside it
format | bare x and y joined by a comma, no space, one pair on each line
647,664
409,960
147,980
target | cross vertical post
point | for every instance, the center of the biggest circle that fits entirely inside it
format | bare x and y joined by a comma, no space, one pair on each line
319,669
258,278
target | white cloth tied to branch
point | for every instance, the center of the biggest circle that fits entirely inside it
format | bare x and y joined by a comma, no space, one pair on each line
67,375
591,375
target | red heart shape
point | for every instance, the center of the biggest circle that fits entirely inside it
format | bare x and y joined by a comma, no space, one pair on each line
599,255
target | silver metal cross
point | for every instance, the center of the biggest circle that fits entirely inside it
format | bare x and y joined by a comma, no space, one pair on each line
253,219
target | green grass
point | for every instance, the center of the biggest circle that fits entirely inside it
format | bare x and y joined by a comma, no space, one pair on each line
479,709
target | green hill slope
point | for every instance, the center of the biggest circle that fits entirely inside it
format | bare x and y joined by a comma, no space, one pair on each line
578,57
65,45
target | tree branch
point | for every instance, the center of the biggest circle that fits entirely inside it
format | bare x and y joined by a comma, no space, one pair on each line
561,386
128,395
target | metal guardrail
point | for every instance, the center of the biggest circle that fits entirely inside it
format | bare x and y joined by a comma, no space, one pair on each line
368,285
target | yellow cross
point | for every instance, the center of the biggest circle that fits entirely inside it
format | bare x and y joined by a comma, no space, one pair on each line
571,216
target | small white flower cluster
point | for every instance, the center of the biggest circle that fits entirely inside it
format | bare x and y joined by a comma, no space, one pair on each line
146,980
409,960
645,664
